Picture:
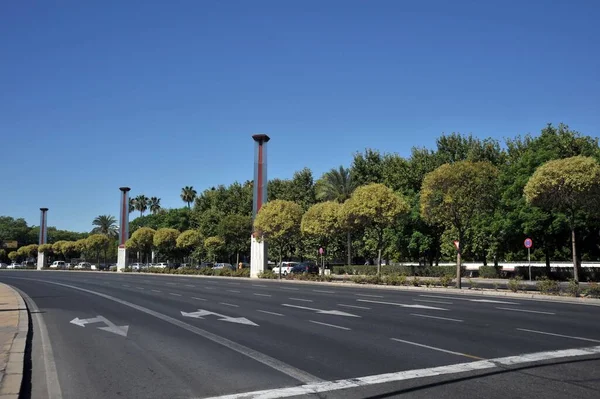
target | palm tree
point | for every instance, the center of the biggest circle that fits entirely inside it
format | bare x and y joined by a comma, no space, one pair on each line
141,204
105,224
154,205
188,194
131,205
337,185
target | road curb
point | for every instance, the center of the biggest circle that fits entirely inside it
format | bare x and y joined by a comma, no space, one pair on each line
12,379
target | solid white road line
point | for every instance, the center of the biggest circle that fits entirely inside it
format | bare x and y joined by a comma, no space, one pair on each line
229,304
236,291
329,386
301,300
200,299
428,301
436,349
261,294
172,293
267,360
353,306
370,296
445,297
436,317
469,299
325,292
403,305
290,289
330,325
156,291
558,335
525,310
267,312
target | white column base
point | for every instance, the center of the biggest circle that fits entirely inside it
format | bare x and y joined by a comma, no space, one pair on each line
121,259
41,261
258,257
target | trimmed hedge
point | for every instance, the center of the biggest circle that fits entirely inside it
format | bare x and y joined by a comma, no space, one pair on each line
558,273
420,271
291,276
489,271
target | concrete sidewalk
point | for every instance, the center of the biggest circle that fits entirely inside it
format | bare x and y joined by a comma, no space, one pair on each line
14,325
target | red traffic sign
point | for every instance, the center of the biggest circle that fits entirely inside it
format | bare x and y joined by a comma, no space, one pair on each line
456,244
528,243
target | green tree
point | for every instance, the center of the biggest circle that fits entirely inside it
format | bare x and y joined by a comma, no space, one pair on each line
367,168
12,255
154,205
141,241
322,221
57,248
96,243
45,249
279,223
131,205
374,208
105,224
236,230
337,185
141,204
571,186
2,254
165,242
213,246
188,195
454,195
189,241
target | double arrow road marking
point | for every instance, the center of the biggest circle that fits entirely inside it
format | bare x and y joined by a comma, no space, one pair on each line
110,326
201,313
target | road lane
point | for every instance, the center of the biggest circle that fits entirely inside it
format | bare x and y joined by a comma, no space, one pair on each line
384,338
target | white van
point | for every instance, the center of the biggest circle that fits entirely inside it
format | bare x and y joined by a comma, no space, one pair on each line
58,264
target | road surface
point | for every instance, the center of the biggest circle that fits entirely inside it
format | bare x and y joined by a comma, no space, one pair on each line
109,335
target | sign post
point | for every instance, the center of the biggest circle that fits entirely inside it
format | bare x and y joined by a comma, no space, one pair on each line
458,264
321,252
528,244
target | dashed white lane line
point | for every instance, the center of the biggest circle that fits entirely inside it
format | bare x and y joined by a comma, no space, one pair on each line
301,300
436,349
353,306
469,299
436,317
210,288
526,311
236,291
156,291
558,335
125,285
259,285
329,325
174,294
329,386
370,296
233,283
140,288
171,283
267,312
403,305
229,304
190,285
200,299
324,291
290,289
257,294
428,301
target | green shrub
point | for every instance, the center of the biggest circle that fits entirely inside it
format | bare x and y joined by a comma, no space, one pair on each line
445,281
547,286
394,279
367,279
515,284
573,288
268,274
593,290
472,284
415,281
489,272
421,271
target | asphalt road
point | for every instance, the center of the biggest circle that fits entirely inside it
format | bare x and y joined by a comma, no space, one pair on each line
108,335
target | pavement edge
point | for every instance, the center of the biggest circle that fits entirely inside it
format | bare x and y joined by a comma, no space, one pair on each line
10,386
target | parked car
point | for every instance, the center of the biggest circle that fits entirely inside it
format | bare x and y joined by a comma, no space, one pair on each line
305,267
219,266
58,264
286,267
138,266
14,265
83,266
3,265
161,265
205,264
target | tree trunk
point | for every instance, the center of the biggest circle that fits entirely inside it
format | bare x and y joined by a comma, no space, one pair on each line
575,266
237,260
349,245
379,262
547,256
458,261
484,258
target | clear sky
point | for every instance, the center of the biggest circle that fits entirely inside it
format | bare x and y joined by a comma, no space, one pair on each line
158,95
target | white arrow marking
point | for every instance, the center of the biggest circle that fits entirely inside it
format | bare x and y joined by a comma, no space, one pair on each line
332,312
201,313
402,304
110,326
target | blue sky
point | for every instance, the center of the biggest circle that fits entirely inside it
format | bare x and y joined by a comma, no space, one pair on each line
158,95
